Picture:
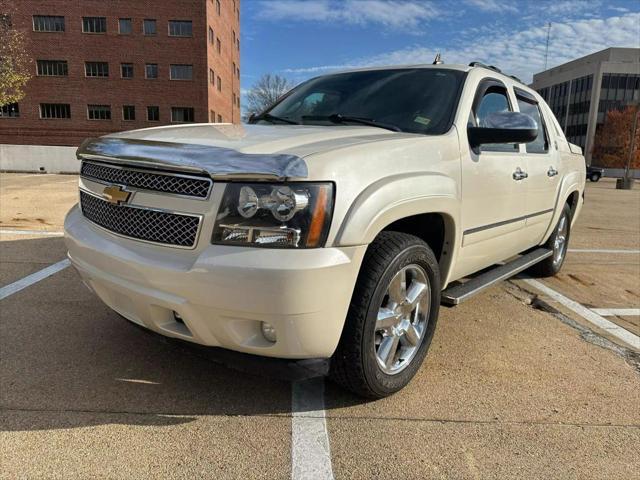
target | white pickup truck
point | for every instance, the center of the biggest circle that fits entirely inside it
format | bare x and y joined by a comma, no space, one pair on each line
336,222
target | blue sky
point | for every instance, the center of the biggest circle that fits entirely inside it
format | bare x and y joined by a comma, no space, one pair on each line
304,38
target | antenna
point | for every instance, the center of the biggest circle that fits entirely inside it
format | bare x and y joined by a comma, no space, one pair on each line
546,50
437,60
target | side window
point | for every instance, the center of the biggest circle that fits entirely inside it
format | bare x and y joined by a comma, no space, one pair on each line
494,100
541,143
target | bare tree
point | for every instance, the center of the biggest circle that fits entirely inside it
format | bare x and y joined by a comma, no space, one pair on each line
265,92
14,61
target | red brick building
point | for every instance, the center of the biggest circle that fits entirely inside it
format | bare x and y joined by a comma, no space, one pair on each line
102,67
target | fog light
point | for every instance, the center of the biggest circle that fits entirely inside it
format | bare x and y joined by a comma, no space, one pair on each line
268,331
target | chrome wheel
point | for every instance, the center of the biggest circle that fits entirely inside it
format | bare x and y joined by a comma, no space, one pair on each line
402,319
560,242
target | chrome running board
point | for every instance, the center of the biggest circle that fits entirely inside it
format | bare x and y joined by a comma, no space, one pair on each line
458,293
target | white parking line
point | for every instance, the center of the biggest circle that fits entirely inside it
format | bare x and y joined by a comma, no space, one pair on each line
600,250
310,453
46,233
33,278
589,315
612,312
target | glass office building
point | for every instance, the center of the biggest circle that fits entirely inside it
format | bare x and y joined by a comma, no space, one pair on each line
580,92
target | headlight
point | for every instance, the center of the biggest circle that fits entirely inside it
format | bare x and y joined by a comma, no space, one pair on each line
289,215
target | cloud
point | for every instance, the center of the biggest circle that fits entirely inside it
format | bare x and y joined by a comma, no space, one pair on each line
393,14
498,6
519,53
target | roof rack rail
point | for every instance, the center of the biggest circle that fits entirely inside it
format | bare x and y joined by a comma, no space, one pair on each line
495,69
490,67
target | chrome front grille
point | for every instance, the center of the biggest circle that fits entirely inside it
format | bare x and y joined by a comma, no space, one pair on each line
150,225
176,184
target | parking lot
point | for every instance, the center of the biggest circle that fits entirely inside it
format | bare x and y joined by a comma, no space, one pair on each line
519,382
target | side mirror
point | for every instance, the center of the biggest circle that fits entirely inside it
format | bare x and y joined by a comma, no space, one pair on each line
504,127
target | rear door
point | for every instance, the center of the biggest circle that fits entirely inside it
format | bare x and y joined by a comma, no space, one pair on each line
542,168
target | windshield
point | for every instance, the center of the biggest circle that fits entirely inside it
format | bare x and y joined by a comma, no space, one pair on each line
416,100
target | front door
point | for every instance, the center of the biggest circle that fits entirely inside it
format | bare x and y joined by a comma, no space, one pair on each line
494,190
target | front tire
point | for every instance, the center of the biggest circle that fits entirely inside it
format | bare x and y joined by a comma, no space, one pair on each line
558,242
391,319
594,177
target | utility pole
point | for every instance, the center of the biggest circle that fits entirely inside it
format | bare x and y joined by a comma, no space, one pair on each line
546,50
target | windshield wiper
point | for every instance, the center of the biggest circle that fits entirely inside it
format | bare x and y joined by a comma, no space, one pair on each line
272,118
339,118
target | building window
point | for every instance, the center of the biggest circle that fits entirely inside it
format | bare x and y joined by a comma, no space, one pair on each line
212,77
238,100
181,72
124,26
94,24
233,98
234,37
219,84
99,112
182,114
218,46
219,118
149,27
96,69
55,110
212,36
52,68
10,110
180,28
238,44
218,7
212,116
151,70
48,23
153,114
128,112
126,70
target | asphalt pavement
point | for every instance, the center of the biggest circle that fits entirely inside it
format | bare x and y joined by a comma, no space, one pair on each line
516,384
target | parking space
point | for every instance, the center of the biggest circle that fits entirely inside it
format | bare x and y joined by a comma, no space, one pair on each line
509,389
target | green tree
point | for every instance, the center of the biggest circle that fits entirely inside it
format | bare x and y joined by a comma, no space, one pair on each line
14,60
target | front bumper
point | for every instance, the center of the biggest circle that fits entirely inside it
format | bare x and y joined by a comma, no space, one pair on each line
221,293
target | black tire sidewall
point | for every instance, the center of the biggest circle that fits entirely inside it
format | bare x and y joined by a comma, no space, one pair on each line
566,212
380,382
594,177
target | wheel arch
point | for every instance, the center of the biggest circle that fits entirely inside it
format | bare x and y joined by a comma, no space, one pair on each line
422,204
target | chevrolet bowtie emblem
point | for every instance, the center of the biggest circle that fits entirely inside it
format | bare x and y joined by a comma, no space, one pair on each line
115,194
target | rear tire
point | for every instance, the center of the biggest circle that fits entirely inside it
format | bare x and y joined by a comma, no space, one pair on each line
594,177
391,318
558,242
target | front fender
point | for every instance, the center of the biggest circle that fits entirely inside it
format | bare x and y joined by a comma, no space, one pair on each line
400,196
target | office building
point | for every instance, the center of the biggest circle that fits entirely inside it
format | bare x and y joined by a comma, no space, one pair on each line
101,67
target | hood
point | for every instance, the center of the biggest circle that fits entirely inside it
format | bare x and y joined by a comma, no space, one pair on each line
225,150
299,140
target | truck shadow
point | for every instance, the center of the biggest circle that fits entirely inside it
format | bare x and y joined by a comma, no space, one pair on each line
68,361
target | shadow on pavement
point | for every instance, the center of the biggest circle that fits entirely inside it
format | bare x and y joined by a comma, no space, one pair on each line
67,361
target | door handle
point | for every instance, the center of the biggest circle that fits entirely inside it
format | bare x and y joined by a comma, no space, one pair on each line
552,172
519,174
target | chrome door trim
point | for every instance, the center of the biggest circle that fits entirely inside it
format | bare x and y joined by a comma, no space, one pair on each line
506,222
